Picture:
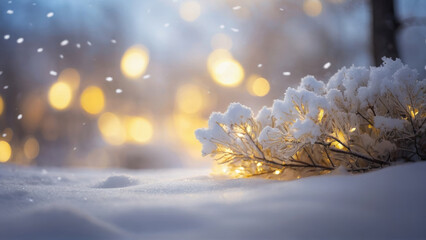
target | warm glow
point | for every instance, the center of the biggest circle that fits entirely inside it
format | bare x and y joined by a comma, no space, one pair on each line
339,135
413,112
221,41
190,99
189,10
276,172
31,148
134,62
312,8
92,100
5,151
1,105
320,114
112,129
60,95
258,87
228,73
352,130
139,129
71,77
184,126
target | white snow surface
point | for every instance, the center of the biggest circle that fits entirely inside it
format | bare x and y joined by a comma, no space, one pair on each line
52,203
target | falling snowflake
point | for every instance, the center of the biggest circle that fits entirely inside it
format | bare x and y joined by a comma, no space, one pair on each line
118,91
61,56
327,65
235,29
108,79
281,9
89,43
9,11
19,117
286,73
166,25
50,14
53,73
4,135
146,76
113,41
236,8
259,65
222,26
5,87
64,42
20,40
78,45
39,50
7,36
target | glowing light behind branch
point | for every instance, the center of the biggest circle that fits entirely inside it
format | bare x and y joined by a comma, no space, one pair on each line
134,62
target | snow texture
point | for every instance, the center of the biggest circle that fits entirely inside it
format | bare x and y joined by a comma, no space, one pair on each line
83,204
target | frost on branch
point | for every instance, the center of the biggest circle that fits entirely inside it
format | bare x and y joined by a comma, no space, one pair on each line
361,119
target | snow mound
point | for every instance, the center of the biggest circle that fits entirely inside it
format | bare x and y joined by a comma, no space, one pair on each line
117,182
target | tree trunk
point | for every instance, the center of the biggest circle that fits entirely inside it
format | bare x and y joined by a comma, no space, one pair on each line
385,26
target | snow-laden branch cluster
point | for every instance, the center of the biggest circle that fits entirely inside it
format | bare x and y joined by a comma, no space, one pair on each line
361,119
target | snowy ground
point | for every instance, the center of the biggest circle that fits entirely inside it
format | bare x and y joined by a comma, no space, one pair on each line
80,204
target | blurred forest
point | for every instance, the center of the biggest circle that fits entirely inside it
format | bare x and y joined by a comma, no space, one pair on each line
125,83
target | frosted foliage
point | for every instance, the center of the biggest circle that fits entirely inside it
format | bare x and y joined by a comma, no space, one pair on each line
362,119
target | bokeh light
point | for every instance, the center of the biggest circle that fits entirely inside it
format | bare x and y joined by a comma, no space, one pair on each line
139,129
112,128
190,99
189,10
60,95
258,86
5,151
92,100
134,62
312,8
1,105
31,148
224,69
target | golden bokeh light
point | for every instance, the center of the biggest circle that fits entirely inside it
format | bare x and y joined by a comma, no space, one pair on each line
135,61
221,41
1,105
139,129
185,125
92,100
5,151
312,8
60,95
189,10
31,148
112,129
190,99
71,77
224,69
258,86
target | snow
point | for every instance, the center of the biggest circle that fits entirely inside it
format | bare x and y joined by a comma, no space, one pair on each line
9,12
19,117
64,42
236,8
146,76
118,90
6,37
327,65
286,73
109,79
50,14
39,50
53,73
20,40
235,29
190,204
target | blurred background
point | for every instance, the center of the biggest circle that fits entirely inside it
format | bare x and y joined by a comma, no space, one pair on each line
91,83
